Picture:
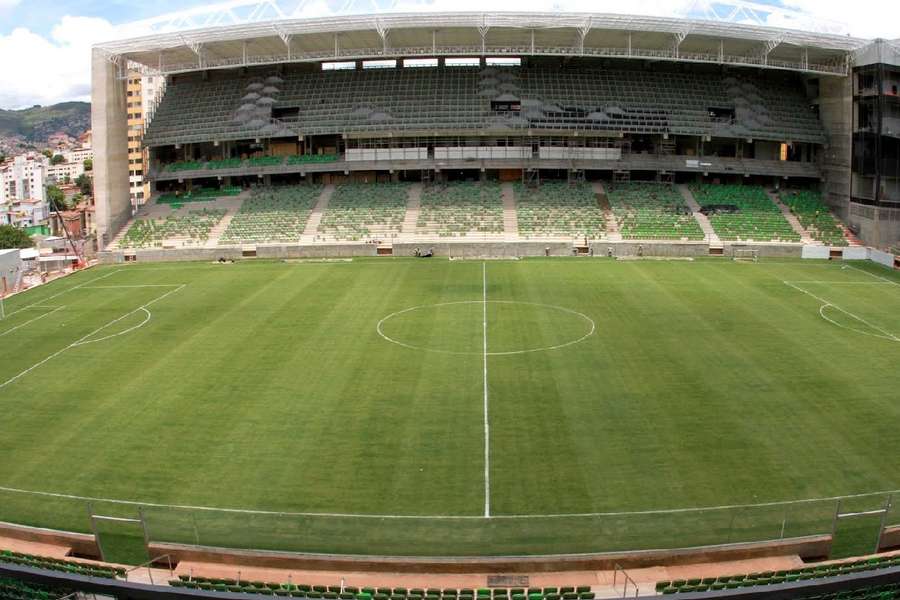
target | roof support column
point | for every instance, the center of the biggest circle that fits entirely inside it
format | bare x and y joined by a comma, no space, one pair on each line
804,59
629,44
679,37
721,51
532,42
244,53
582,33
383,33
483,31
434,41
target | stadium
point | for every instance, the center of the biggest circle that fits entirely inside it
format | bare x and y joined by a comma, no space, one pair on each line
471,306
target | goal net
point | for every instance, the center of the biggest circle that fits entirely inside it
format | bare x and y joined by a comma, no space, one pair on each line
746,254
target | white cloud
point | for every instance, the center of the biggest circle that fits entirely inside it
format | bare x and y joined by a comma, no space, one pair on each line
38,70
44,70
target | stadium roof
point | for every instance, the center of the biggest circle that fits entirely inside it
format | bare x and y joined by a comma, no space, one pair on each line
358,37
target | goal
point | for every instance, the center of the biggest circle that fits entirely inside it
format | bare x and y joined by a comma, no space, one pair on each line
745,254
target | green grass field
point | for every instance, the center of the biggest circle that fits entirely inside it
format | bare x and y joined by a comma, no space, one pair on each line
349,403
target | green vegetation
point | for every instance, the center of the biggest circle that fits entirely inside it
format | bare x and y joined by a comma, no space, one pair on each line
266,386
14,237
39,122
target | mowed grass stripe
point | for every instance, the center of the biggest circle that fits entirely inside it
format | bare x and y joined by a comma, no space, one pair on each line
265,385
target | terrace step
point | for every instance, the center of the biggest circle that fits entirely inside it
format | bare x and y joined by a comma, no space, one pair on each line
315,217
413,204
612,227
510,220
702,219
792,220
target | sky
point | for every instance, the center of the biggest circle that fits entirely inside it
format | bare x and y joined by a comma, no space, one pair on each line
45,44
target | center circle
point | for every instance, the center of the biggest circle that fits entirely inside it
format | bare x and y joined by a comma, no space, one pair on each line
513,327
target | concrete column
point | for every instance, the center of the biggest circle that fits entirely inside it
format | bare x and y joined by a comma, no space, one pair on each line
109,123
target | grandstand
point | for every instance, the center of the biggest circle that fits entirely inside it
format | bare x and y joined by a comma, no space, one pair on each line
272,215
650,211
361,212
365,370
559,210
461,210
192,227
743,213
815,217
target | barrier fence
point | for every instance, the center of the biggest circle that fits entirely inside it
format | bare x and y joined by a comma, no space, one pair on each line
465,535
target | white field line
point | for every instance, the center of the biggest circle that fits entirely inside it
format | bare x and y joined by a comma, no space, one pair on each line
487,421
83,340
65,291
147,317
379,328
800,282
244,511
884,279
29,321
825,303
145,285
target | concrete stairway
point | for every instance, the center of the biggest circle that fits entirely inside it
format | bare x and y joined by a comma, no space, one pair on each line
510,219
216,232
792,219
413,205
612,227
315,217
702,219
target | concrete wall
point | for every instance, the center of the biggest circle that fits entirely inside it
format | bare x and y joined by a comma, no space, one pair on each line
10,263
836,114
110,141
879,227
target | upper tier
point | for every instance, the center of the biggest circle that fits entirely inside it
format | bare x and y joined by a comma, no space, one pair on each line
428,100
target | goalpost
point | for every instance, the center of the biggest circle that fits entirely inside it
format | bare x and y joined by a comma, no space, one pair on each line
745,255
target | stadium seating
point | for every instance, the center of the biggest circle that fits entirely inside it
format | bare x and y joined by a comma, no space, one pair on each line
815,217
362,211
225,163
272,215
460,209
652,211
771,577
12,589
188,165
59,564
754,218
193,227
336,592
302,159
199,195
558,210
265,161
424,99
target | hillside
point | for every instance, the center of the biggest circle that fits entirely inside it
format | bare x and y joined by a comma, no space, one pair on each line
36,123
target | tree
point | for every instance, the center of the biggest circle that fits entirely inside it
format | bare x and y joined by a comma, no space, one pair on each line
56,198
13,237
88,164
86,184
57,159
48,153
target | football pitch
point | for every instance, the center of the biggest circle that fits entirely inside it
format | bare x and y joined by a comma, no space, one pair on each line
435,407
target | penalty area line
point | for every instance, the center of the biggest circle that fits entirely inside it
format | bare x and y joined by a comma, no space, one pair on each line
29,321
86,338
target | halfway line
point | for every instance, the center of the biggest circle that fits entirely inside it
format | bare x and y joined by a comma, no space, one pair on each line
487,423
